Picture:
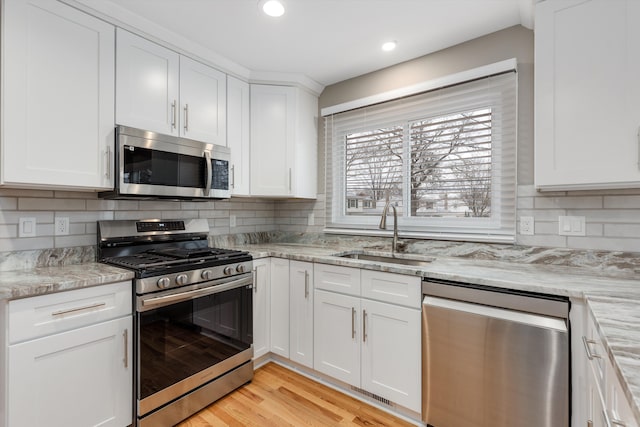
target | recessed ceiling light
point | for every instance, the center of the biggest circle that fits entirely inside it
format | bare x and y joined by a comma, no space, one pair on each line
389,46
273,8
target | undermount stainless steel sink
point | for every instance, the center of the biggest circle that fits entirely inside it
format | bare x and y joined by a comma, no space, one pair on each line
389,259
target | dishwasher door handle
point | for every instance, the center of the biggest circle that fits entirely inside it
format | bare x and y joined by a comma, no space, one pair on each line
535,320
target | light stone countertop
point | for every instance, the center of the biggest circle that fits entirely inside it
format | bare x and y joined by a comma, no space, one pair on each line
609,284
45,280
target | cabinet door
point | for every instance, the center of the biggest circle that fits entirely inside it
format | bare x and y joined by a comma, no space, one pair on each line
305,166
280,306
238,135
391,353
261,309
587,94
301,312
58,124
336,337
77,378
273,110
146,84
618,408
203,102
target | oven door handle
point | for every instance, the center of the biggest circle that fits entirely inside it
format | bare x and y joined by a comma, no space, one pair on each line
154,302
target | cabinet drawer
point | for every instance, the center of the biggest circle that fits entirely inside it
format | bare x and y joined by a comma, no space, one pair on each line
345,280
49,314
392,288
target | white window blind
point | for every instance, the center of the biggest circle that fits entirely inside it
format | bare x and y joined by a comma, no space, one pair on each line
446,159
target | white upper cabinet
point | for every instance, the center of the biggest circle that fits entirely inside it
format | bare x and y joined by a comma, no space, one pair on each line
238,135
58,97
283,142
162,91
587,91
147,84
203,102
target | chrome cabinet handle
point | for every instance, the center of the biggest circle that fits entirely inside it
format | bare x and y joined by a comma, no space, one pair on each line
586,343
73,310
233,176
173,114
125,336
364,325
353,322
186,117
306,284
107,173
255,279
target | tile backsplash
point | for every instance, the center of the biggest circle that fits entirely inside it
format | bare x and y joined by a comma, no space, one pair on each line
612,217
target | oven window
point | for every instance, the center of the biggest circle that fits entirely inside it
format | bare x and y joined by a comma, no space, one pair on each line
182,339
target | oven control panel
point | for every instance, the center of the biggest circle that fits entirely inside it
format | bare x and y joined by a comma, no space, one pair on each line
191,277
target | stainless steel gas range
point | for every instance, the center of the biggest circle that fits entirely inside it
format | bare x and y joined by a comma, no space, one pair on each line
193,318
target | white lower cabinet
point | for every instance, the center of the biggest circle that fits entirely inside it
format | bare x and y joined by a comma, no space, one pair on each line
605,403
261,306
336,337
369,344
279,296
77,370
301,312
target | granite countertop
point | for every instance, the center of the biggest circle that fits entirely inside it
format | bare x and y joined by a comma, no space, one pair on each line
45,280
608,282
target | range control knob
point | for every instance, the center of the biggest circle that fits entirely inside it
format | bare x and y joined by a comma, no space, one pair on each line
207,274
240,268
163,282
227,271
181,279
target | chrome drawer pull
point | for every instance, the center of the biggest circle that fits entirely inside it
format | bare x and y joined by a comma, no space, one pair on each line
353,322
73,310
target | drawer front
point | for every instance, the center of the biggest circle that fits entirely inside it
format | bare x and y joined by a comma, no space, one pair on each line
336,278
49,314
392,288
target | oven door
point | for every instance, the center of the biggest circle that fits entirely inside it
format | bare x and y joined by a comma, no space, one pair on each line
187,338
151,164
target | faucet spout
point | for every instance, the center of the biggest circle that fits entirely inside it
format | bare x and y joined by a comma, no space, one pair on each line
383,224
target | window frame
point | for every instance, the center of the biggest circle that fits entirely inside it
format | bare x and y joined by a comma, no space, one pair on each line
499,227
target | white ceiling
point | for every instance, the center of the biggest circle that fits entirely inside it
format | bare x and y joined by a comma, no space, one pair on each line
329,40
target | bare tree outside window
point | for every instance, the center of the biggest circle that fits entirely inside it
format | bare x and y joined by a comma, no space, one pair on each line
449,164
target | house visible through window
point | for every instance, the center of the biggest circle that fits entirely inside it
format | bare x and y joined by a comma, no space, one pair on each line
445,159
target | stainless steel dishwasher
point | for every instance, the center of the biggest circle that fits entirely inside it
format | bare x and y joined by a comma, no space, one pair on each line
493,357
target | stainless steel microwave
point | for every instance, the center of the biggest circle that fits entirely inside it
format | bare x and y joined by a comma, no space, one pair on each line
150,165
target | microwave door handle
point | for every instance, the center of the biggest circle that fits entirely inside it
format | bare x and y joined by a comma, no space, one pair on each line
209,172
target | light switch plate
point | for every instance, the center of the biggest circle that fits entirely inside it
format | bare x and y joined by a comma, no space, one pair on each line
572,226
527,225
27,227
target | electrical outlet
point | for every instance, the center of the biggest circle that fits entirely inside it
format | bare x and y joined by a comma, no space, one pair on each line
62,226
527,225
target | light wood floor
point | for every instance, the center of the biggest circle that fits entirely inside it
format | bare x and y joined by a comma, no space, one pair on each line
280,397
